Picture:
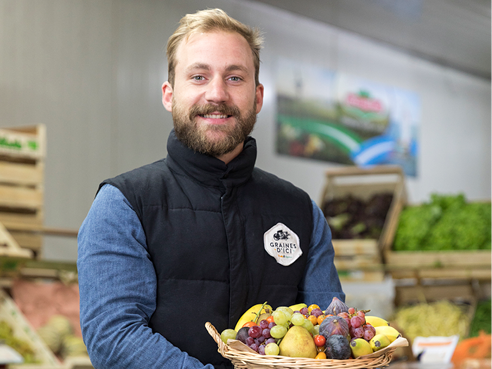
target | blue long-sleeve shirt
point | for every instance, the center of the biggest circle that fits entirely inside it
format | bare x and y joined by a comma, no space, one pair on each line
118,285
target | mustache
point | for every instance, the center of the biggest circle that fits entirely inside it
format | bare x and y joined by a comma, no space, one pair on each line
211,108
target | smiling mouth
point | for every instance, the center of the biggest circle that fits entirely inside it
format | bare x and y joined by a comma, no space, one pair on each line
215,116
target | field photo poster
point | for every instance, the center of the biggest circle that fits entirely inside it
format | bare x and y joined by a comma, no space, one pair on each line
335,117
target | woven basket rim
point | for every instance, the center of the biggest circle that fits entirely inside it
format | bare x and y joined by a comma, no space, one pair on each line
246,359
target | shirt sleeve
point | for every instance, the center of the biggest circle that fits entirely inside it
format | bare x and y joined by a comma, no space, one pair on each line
321,282
117,284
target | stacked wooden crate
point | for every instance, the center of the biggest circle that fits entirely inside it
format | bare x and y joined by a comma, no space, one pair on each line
422,275
22,159
361,259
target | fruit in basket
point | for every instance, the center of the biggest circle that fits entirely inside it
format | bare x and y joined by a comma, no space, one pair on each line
298,319
298,307
241,335
278,331
286,310
379,341
252,314
319,340
280,318
312,307
336,306
389,332
337,347
298,342
272,349
369,332
360,347
376,321
334,325
228,334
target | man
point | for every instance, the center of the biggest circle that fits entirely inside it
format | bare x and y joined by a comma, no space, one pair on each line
201,235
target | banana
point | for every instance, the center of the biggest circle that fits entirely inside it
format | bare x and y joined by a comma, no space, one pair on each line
389,332
360,347
376,321
251,314
298,307
379,341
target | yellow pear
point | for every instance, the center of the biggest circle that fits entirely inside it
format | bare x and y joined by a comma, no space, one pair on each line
298,342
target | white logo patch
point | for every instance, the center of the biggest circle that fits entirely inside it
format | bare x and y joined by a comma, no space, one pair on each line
282,244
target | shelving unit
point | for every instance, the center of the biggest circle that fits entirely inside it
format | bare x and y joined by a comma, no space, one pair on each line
22,160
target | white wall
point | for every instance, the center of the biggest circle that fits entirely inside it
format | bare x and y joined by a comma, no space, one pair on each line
91,70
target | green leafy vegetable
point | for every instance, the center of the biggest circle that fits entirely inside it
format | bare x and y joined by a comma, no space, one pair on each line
447,222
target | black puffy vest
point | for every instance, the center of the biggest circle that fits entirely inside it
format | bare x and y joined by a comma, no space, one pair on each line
204,222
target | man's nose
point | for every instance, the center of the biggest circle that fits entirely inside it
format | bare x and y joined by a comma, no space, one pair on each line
217,91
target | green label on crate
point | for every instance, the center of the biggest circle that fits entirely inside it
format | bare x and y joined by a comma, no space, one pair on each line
11,144
18,144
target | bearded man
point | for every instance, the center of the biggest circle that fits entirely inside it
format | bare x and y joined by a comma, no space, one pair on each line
193,238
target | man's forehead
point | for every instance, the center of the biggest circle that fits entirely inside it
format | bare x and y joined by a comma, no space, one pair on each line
200,41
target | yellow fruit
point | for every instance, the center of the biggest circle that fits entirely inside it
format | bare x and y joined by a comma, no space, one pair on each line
251,314
298,342
263,316
298,307
320,356
389,332
360,347
376,321
379,341
312,307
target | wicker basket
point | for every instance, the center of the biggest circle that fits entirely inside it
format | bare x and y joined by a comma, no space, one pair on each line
242,357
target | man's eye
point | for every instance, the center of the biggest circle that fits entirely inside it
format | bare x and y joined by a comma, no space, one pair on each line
198,78
235,79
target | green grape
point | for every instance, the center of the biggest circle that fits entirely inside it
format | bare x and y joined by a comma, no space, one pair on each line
287,310
278,331
279,317
228,334
308,325
272,349
298,319
316,329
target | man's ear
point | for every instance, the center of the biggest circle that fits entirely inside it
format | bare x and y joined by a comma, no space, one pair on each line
259,97
167,96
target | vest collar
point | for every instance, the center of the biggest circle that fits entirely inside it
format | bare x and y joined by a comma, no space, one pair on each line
207,169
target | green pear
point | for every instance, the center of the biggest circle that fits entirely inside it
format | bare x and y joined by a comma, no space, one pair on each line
298,342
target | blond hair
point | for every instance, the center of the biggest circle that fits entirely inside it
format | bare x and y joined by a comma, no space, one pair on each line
208,21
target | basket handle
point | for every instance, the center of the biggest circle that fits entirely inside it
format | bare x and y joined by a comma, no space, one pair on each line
216,336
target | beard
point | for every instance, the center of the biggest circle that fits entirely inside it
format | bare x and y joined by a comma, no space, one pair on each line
214,140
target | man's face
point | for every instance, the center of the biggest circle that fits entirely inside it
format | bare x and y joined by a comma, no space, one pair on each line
214,100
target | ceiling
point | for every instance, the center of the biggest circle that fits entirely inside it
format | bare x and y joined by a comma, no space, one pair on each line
453,33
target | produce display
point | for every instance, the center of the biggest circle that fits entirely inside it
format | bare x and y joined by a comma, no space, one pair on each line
339,332
350,217
481,319
440,318
472,348
446,222
58,334
22,347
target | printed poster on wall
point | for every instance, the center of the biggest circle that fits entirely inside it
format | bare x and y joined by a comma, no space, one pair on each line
330,116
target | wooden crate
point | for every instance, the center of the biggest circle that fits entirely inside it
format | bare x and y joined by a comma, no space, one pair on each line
405,295
361,259
438,265
22,159
358,260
